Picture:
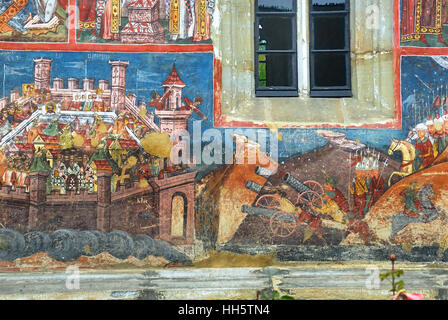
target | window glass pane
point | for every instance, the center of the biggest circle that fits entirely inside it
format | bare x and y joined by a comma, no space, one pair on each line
262,70
275,33
330,69
276,5
275,69
329,32
328,5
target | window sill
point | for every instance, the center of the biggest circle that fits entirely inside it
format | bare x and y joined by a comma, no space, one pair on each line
331,94
276,94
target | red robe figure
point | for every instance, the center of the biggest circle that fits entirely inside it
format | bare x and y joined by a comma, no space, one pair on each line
420,18
314,223
193,105
63,4
159,101
425,154
75,105
87,15
13,178
377,187
336,195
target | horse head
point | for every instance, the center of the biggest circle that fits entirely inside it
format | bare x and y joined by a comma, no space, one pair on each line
393,146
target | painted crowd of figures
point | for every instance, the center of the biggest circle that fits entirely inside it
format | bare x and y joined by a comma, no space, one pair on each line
422,146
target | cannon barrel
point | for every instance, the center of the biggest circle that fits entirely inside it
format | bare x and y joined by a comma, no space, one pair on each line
253,186
294,183
258,211
267,213
263,172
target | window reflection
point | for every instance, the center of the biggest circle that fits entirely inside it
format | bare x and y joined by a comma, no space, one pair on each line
324,5
275,33
276,5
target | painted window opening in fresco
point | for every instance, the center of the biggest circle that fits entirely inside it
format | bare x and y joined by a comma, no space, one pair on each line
330,68
178,215
276,48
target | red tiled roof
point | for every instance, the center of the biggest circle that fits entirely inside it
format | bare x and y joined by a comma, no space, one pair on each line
109,142
128,144
173,78
50,139
102,165
25,146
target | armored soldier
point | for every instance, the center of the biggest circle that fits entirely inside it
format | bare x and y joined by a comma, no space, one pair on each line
359,191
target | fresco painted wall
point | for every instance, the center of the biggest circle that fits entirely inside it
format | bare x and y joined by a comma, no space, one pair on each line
147,21
140,138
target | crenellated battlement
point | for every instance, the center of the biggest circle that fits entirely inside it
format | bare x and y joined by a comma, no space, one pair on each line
88,84
18,193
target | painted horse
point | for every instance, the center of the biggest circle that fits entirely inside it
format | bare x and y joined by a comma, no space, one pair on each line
408,156
428,212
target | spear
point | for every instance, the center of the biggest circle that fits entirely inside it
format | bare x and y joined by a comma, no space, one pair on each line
385,164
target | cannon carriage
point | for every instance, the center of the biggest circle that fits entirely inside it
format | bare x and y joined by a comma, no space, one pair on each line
282,215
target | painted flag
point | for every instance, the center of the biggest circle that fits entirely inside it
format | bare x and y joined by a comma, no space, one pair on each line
437,102
18,71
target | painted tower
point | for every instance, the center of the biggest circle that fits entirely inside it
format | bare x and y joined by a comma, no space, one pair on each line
42,71
173,82
173,118
118,87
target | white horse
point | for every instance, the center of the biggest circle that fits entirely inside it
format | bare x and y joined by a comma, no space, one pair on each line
408,155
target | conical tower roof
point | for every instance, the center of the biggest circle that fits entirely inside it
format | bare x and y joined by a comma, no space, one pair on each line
174,79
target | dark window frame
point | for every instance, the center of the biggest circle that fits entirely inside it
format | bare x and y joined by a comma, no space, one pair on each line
330,91
276,91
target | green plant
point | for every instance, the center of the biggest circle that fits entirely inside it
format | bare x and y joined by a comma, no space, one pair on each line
396,285
393,274
272,295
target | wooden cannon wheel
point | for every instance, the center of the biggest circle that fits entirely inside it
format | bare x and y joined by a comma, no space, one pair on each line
314,186
283,224
268,201
310,198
